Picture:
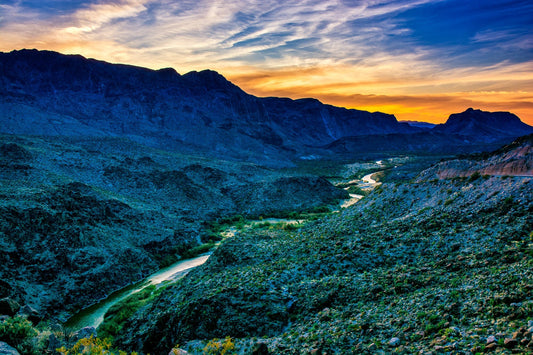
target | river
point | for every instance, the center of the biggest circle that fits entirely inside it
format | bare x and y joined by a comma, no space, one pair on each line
93,316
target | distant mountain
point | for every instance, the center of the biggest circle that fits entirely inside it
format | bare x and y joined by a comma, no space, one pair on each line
484,126
419,124
47,93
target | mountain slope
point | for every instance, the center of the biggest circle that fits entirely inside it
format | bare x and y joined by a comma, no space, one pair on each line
432,266
514,159
46,93
81,218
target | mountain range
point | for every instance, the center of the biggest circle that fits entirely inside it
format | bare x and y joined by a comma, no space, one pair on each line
47,93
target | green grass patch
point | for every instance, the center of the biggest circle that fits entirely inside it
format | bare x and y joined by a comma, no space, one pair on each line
117,316
193,252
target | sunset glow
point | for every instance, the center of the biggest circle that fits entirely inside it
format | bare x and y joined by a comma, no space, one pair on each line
417,59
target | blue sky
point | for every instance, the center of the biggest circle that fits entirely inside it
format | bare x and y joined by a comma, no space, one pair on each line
418,59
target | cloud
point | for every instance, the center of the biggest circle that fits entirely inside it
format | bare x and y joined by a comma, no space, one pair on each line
335,49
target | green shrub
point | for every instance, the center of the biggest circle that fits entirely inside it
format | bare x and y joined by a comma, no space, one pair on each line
200,249
18,332
475,176
117,316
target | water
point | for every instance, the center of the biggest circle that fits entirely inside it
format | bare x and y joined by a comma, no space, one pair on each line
93,316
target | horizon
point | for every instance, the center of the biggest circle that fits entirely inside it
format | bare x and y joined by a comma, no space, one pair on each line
420,60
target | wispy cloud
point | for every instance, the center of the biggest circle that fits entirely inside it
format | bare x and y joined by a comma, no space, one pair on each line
333,49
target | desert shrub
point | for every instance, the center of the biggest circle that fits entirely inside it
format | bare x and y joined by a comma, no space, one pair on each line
475,176
19,333
200,249
220,347
92,346
117,316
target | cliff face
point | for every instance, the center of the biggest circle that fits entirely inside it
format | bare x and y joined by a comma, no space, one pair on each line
46,93
515,159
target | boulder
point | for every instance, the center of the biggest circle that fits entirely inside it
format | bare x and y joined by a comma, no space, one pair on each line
177,351
6,349
394,342
83,333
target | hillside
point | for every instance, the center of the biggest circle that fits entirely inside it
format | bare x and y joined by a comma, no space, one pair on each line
437,265
514,159
82,218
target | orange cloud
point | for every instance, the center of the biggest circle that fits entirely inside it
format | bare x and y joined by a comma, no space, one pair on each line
409,96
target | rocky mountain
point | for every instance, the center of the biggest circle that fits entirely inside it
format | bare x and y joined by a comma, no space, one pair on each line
46,93
482,126
436,265
467,132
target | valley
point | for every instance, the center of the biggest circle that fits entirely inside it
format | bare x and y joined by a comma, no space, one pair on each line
424,265
175,213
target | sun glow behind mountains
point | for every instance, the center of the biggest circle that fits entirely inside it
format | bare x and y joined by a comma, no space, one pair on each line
417,59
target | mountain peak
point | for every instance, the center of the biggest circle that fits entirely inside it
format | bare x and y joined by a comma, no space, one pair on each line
484,125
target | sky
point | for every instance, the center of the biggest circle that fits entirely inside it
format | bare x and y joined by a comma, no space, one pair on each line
417,59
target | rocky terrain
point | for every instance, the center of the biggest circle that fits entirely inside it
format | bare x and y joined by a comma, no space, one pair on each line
109,172
427,266
515,159
82,218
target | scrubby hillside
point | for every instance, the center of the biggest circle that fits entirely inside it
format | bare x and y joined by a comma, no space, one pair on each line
82,218
432,266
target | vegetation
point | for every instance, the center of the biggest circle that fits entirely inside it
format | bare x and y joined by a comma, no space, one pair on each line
397,264
19,332
117,316
92,346
220,347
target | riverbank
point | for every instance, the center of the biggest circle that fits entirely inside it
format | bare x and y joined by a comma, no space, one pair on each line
93,316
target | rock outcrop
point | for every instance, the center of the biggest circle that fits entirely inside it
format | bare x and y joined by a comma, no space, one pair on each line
6,349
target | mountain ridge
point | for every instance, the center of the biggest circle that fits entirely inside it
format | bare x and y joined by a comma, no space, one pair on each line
48,93
485,126
200,110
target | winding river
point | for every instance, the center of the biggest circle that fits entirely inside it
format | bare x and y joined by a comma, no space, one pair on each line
93,316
